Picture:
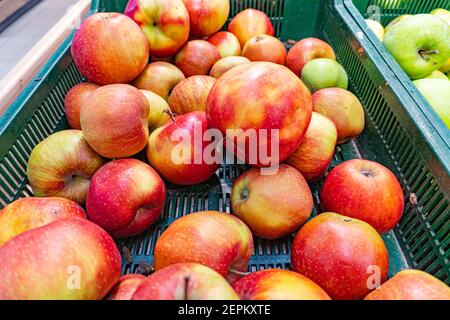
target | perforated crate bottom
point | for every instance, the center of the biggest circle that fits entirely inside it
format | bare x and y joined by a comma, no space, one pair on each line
137,252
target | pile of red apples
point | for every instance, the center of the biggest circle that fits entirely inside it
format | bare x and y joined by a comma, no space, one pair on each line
92,186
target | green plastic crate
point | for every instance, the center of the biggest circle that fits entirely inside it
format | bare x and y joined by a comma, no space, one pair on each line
396,135
386,11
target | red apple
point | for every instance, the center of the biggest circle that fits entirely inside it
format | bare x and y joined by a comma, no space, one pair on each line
75,98
272,206
126,287
207,17
69,259
343,108
102,62
125,197
191,94
277,284
160,78
411,285
214,239
159,110
62,165
30,213
185,281
177,150
265,48
165,24
316,151
114,120
344,256
306,50
262,98
226,43
225,64
197,58
364,190
249,23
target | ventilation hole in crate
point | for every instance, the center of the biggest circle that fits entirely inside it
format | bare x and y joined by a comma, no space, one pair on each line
441,228
206,203
410,228
434,207
445,240
409,219
227,207
26,192
424,257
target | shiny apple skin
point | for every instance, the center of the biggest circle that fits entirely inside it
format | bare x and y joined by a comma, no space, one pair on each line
126,197
75,98
110,48
249,23
197,58
306,50
364,190
214,239
114,121
272,206
185,281
69,259
277,284
314,155
29,213
165,24
163,146
261,96
62,166
411,285
341,255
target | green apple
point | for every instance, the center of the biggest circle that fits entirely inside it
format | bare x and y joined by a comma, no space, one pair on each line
324,73
446,67
395,21
437,93
437,75
420,44
376,27
442,13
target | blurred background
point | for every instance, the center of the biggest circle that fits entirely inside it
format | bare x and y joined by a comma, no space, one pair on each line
23,23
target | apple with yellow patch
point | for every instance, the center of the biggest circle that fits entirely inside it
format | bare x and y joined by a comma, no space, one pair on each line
159,110
160,78
225,64
226,43
316,151
272,205
250,23
30,213
62,166
191,94
215,239
185,281
165,23
125,197
174,151
411,285
277,284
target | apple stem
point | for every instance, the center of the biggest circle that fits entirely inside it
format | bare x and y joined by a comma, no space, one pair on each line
170,113
423,53
238,273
